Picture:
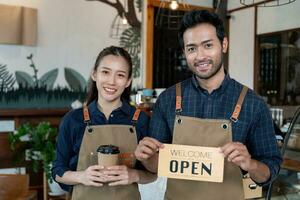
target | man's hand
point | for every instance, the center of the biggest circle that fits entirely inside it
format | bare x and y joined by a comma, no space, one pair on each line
146,148
238,154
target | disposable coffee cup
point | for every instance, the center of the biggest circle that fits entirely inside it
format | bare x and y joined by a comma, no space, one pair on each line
108,155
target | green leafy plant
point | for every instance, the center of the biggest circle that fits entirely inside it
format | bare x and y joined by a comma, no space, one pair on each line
40,146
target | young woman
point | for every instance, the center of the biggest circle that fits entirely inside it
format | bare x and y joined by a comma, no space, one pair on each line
105,119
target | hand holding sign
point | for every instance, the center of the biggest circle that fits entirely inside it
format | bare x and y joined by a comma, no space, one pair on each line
146,148
237,153
191,163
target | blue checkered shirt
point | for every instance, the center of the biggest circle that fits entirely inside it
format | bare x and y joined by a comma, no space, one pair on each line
254,127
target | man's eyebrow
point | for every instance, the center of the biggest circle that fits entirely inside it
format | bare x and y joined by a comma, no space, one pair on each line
203,42
206,41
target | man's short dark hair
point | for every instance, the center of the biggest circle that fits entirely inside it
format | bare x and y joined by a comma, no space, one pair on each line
196,17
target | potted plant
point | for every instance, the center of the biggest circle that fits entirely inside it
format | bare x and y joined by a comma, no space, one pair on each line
35,143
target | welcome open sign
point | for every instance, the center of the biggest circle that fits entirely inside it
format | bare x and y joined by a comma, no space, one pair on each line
191,163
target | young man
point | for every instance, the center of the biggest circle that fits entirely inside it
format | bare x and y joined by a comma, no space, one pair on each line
214,111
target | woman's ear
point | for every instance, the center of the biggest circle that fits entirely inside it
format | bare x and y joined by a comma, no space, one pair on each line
128,82
93,75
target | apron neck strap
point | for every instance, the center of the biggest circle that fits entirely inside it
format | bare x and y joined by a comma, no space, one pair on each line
135,116
238,106
86,115
178,99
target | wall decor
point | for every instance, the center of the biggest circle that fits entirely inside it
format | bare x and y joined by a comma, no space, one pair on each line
36,91
18,25
129,38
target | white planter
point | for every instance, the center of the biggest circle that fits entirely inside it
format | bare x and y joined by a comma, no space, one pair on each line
55,189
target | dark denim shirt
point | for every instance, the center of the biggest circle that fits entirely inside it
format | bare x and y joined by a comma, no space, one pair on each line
254,127
72,129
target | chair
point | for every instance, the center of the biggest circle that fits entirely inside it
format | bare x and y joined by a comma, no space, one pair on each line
15,186
290,169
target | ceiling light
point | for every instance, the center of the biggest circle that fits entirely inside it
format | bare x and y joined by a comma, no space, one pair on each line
174,5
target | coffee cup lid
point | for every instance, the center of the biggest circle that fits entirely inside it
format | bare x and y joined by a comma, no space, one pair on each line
108,149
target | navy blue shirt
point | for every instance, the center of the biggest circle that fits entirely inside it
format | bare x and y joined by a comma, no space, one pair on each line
72,129
254,127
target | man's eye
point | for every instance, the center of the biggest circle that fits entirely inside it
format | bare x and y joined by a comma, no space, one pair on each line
191,49
104,72
208,45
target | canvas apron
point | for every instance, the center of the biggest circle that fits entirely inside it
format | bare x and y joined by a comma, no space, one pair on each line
208,133
123,136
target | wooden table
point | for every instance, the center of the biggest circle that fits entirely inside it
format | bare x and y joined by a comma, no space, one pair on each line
291,160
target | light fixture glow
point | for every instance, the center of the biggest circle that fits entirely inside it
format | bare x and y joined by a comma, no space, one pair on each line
124,20
174,5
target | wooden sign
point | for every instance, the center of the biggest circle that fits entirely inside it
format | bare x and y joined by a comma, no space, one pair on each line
191,163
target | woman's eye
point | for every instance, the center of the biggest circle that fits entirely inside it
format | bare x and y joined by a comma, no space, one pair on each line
121,75
104,72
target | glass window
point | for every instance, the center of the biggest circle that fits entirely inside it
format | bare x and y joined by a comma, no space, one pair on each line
279,69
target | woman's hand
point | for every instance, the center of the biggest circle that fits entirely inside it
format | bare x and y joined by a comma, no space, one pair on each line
121,175
93,176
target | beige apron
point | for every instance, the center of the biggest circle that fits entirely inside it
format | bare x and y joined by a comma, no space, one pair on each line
123,136
208,133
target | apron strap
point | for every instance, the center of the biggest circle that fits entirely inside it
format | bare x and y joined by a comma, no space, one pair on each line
178,99
135,116
86,115
238,106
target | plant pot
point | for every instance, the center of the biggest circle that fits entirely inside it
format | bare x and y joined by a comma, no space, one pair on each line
55,189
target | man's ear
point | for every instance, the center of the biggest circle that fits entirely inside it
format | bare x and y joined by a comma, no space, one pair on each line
225,45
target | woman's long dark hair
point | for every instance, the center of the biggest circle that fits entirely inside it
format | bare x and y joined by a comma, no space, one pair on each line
116,51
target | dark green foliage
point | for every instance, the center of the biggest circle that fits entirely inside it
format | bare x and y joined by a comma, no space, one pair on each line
35,70
39,97
39,93
24,79
41,145
139,5
48,79
7,80
131,40
75,80
136,64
